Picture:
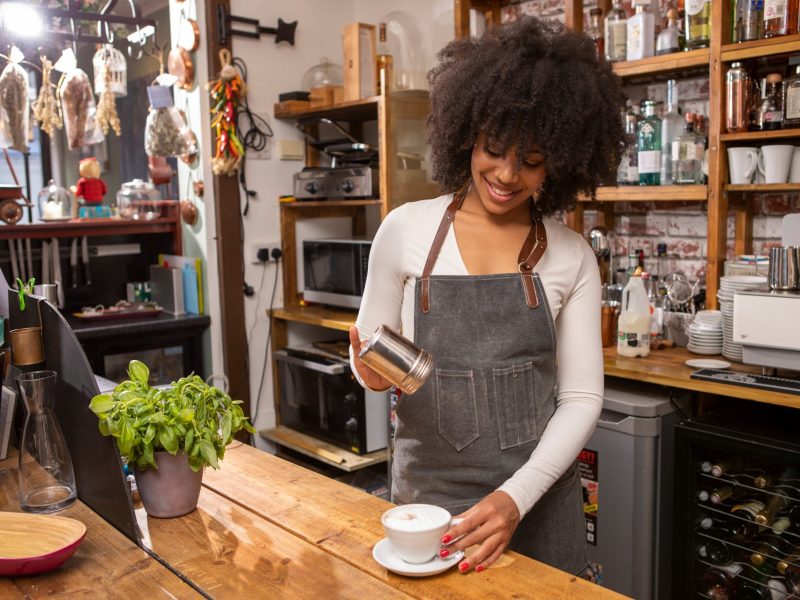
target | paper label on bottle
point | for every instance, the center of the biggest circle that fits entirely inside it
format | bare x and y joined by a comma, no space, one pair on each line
752,508
649,161
617,39
773,9
694,6
633,174
793,103
773,116
634,339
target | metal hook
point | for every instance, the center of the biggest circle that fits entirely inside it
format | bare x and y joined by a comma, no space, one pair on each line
75,33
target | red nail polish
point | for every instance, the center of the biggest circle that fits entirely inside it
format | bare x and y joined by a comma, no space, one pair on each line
479,568
446,539
463,567
444,553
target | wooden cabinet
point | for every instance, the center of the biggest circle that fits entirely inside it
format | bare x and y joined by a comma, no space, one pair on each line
721,198
399,117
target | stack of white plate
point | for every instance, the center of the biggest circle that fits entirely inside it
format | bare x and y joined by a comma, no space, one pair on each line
705,332
728,286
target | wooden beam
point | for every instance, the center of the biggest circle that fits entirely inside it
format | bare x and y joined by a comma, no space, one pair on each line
461,18
743,231
230,259
573,17
717,167
574,219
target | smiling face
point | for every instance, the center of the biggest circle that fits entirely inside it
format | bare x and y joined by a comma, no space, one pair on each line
501,184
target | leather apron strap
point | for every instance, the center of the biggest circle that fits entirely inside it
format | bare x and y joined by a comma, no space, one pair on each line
532,250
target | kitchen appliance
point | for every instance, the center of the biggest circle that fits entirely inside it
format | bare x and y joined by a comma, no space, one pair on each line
627,473
335,270
357,181
767,326
320,396
783,271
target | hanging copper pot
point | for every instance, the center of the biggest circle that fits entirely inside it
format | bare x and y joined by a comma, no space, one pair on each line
189,35
188,211
199,188
179,64
190,157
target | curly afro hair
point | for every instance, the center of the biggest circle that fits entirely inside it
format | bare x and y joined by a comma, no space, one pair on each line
532,83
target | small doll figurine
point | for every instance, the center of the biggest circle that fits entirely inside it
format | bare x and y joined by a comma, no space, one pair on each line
91,189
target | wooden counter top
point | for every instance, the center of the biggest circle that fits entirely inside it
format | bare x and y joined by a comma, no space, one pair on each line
666,367
266,528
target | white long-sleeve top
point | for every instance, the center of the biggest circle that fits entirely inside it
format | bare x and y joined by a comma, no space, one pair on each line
569,275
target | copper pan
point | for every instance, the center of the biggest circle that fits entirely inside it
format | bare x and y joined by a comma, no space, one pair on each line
180,64
189,35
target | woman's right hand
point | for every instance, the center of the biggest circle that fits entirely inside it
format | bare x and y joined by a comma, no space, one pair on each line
372,379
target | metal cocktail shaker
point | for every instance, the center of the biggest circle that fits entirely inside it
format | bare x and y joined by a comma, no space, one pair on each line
783,268
397,359
737,98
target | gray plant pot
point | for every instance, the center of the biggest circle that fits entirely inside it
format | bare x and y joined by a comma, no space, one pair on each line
171,490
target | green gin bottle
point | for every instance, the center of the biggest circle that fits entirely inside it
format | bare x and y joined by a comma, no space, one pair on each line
648,142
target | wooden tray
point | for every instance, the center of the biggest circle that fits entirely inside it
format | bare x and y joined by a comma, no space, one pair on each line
36,543
119,313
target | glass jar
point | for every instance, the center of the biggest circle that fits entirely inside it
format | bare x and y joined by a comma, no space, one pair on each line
325,73
55,203
139,199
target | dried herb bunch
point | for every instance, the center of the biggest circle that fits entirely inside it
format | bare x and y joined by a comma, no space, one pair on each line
45,108
14,102
107,107
76,100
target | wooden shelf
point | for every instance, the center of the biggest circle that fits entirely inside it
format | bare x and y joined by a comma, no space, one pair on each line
365,109
323,451
756,136
323,316
786,44
763,188
301,204
665,64
651,193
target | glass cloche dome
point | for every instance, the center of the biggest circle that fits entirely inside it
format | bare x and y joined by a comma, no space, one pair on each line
55,203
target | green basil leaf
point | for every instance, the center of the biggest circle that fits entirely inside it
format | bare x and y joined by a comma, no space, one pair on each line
147,456
138,371
102,403
209,453
227,422
149,434
104,429
168,440
127,434
186,415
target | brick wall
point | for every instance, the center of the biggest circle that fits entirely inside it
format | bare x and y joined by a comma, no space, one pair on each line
682,226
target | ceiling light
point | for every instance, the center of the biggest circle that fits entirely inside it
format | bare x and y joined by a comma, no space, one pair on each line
20,19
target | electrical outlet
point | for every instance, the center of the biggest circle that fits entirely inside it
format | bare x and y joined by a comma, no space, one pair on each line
254,247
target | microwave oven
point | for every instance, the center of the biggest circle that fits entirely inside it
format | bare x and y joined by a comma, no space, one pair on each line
320,396
335,271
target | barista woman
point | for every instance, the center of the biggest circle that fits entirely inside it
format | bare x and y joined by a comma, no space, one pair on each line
505,297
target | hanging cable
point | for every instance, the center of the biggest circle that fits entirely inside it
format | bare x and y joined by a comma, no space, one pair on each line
255,133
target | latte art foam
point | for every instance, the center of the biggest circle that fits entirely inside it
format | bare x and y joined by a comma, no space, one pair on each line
416,518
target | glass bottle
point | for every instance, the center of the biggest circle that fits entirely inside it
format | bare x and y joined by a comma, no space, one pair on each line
727,467
771,111
769,545
648,142
780,17
737,98
668,40
687,159
698,24
752,20
746,512
384,61
595,31
46,478
641,34
791,99
616,33
715,551
720,581
628,171
777,502
671,129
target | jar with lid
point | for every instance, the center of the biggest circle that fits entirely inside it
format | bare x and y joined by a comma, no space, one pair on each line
324,73
737,98
55,203
138,199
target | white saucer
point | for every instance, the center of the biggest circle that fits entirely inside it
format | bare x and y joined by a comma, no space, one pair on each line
707,363
384,555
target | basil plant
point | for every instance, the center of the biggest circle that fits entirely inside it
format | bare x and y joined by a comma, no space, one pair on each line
190,415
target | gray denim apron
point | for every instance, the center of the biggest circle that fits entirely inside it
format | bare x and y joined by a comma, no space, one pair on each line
478,419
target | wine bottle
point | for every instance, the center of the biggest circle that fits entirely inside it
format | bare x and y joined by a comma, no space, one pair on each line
384,61
755,584
776,503
769,545
747,526
720,582
727,466
716,551
728,492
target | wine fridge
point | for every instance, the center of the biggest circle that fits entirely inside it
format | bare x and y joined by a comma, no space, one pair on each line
737,490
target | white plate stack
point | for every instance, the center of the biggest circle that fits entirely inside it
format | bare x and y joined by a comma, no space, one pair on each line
728,286
705,332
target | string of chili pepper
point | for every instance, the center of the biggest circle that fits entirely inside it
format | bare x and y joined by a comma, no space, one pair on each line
226,96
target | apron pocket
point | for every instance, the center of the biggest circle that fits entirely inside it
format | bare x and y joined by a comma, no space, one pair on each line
514,401
455,403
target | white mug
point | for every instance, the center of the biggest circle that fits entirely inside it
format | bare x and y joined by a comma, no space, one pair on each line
794,170
742,163
416,530
774,161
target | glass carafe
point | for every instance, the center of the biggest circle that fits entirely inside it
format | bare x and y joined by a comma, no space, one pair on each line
46,478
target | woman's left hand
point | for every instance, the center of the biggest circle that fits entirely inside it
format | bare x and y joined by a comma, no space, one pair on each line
490,523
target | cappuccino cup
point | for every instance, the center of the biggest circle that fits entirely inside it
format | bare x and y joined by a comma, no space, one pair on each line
416,530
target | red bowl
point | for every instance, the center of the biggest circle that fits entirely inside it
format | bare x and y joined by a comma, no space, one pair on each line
33,544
